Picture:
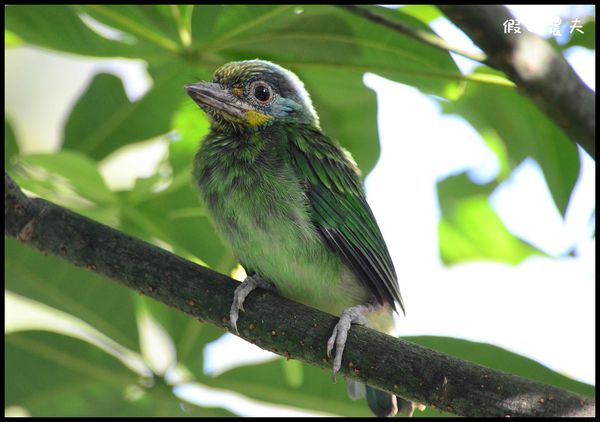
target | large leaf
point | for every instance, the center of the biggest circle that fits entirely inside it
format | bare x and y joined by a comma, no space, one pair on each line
316,36
152,23
76,291
348,102
76,169
330,50
191,125
525,132
70,179
61,28
311,388
293,383
54,375
11,39
104,119
189,336
587,39
503,360
470,229
425,13
91,377
268,382
175,217
328,47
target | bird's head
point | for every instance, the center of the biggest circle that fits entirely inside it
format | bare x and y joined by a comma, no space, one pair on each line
251,95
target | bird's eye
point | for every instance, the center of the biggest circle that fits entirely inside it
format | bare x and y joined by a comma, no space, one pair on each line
261,91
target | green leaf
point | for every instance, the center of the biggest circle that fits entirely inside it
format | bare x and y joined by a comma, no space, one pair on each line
525,132
104,119
60,28
173,214
190,125
268,382
189,234
189,335
24,314
11,39
587,39
425,13
84,294
307,388
325,37
327,46
11,148
203,22
53,375
503,360
70,169
348,112
470,229
152,24
90,127
330,50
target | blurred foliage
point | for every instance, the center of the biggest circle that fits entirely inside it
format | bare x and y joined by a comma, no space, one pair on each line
58,371
470,229
586,39
524,131
11,149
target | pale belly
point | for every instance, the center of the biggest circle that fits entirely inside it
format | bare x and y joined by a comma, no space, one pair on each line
293,257
311,274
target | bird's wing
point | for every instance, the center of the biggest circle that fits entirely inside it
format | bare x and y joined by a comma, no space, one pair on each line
341,214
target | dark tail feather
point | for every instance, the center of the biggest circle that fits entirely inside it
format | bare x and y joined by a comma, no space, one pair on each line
382,404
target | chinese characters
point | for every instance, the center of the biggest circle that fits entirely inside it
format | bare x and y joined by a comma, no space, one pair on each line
513,26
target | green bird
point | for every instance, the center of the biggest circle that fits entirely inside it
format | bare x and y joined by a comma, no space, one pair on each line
289,201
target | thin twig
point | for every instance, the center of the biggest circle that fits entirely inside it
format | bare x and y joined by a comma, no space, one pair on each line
418,34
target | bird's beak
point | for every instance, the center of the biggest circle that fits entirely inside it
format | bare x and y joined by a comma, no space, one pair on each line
214,96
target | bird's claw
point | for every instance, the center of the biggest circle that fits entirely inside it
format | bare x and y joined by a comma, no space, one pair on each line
233,317
354,314
240,294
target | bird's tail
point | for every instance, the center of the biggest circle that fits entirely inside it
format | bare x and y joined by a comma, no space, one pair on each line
381,403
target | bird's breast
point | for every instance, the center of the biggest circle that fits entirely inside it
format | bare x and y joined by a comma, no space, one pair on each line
264,214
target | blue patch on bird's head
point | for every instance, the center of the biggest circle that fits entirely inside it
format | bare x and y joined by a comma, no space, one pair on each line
272,93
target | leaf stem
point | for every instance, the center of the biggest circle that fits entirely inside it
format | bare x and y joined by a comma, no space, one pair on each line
418,34
136,28
183,28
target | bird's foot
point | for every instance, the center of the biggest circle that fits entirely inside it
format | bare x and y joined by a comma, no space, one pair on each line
243,290
352,315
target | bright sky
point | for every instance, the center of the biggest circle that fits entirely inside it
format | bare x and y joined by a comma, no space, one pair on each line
543,308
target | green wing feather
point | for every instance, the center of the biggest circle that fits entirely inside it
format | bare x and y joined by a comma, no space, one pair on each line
340,211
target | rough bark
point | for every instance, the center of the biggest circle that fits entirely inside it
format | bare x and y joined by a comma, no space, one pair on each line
280,325
538,71
535,67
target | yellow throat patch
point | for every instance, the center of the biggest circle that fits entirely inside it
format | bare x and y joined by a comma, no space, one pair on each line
255,118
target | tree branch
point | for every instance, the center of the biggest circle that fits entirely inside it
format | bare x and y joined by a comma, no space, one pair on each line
409,370
538,71
529,61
